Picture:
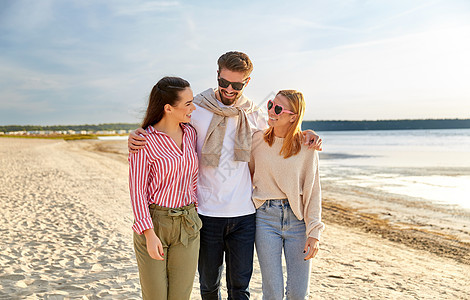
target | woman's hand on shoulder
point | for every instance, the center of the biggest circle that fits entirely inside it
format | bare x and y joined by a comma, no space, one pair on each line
311,247
135,141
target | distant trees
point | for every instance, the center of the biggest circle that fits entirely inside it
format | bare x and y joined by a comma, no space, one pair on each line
316,125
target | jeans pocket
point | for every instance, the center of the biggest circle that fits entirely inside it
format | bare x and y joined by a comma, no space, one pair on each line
263,207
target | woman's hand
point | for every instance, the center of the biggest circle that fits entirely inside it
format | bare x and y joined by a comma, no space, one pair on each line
313,140
135,141
154,245
311,245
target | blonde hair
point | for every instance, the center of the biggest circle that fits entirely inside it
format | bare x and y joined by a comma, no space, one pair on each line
293,140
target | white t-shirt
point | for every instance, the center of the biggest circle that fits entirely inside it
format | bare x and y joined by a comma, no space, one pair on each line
225,191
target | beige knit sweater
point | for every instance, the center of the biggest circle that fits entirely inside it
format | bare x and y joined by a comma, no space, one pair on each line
295,178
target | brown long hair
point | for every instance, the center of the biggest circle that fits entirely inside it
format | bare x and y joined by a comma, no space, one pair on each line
293,140
166,91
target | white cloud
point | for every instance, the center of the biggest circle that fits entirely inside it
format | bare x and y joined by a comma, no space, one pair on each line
138,7
298,22
352,59
28,15
425,74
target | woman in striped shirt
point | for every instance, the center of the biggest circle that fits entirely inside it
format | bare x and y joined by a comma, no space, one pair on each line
162,184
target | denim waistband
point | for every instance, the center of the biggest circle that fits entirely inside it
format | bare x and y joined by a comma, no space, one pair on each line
277,202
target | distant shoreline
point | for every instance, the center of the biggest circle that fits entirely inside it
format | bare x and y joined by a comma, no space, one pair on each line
324,125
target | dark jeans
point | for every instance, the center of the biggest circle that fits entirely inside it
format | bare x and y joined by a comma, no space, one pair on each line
236,237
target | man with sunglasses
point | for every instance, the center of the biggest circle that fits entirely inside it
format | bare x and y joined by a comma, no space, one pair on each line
225,120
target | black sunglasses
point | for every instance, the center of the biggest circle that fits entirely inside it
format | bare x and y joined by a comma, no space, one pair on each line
235,85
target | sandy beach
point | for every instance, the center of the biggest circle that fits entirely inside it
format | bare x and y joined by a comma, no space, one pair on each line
66,233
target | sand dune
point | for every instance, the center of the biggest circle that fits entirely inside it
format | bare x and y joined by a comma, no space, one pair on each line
65,227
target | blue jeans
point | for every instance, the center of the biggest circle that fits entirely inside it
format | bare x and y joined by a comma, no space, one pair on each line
235,237
277,229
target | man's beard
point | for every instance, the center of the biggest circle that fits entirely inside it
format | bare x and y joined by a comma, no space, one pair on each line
226,101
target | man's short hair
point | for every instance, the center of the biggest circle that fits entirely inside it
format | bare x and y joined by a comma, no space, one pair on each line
236,61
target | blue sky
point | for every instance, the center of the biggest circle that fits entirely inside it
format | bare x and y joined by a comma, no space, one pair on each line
76,62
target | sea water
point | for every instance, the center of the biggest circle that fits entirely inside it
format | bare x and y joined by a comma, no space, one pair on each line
432,165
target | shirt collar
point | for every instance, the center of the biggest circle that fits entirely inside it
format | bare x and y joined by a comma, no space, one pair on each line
151,130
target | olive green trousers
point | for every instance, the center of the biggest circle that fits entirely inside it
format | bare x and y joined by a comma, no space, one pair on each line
172,278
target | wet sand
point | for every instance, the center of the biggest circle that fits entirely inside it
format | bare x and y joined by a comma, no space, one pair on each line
66,217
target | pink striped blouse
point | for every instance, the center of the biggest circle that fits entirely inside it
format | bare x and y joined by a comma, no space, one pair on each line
162,174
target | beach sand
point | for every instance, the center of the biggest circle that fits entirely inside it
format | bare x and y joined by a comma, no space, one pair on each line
66,233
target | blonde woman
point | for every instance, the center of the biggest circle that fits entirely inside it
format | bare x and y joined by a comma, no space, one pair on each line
287,197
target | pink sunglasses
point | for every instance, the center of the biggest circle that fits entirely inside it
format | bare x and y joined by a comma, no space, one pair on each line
278,109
